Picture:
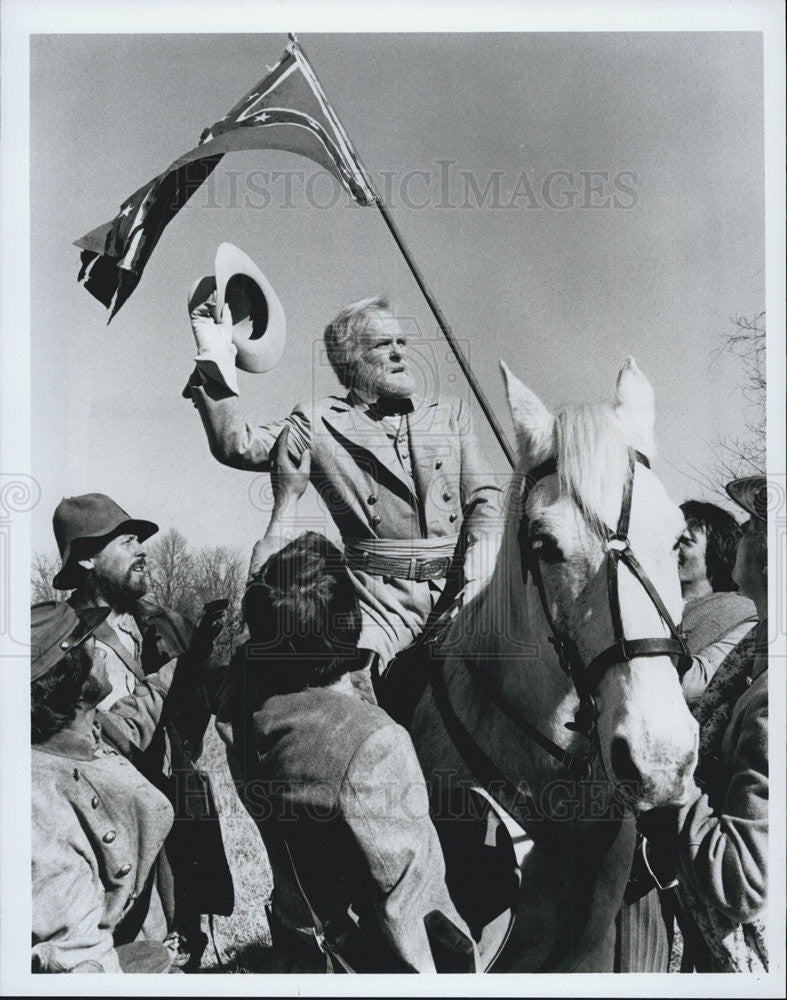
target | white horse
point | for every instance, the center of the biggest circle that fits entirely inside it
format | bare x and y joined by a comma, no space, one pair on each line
589,542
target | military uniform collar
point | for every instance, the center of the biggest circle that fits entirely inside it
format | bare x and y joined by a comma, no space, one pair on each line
72,744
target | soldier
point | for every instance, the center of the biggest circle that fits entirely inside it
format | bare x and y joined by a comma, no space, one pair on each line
104,563
403,478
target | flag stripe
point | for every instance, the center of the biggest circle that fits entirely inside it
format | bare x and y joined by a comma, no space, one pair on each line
302,121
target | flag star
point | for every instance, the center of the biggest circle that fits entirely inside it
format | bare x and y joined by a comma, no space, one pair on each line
126,210
263,117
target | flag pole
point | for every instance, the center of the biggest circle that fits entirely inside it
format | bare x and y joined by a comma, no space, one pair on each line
459,354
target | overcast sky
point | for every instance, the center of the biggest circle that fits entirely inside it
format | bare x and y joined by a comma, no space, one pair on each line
572,199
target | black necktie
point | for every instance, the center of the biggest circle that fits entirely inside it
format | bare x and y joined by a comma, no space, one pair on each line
390,406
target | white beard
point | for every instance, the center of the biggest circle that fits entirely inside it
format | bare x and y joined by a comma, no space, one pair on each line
370,380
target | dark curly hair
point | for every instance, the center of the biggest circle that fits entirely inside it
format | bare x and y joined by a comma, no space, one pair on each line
303,617
722,532
54,697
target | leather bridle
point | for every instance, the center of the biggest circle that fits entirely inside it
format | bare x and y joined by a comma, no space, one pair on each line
587,677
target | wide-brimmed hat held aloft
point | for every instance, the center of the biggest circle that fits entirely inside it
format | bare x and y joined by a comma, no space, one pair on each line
259,327
82,522
55,629
751,493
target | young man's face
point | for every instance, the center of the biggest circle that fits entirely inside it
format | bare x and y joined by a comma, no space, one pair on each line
692,568
382,365
120,573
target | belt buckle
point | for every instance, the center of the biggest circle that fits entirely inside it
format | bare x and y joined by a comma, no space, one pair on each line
431,569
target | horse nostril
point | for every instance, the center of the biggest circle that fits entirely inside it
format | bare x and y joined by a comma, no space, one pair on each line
623,766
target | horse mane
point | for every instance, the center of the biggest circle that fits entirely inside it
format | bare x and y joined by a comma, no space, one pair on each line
592,460
591,449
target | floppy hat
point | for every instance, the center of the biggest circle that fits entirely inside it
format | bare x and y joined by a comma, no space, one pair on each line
56,628
259,327
90,517
751,493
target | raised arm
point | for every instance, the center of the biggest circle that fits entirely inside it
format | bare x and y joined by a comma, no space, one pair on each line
289,481
132,721
213,388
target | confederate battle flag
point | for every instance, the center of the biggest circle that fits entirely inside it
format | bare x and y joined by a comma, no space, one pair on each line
286,110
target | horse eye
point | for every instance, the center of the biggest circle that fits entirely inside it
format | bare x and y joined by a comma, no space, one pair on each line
547,549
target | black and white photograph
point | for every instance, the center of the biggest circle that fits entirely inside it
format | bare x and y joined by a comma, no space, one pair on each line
393,508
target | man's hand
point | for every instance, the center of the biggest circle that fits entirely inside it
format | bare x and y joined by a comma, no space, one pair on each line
209,333
289,480
207,631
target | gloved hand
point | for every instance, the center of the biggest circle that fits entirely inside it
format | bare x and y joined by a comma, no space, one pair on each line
216,357
207,631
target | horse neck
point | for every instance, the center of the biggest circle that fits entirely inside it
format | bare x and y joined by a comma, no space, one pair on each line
505,634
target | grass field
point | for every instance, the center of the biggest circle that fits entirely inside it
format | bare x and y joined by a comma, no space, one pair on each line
242,940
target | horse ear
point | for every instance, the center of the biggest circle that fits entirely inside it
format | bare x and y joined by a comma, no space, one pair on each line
533,423
636,406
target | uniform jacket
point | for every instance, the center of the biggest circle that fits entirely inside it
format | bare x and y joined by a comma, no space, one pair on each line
195,850
97,827
338,782
355,470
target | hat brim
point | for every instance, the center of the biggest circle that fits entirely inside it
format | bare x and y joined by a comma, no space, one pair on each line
68,577
87,621
259,327
745,493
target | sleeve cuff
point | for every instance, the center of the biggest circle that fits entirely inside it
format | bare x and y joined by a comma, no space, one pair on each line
220,368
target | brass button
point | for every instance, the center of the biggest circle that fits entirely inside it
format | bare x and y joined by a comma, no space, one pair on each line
439,463
371,500
94,802
446,496
76,775
109,836
122,871
65,644
376,520
452,518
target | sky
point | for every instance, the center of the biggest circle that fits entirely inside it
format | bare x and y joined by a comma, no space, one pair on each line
572,199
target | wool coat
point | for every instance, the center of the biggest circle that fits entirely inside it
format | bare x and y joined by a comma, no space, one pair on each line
334,784
203,883
719,838
97,827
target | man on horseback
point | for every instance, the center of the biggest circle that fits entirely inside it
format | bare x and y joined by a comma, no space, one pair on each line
404,479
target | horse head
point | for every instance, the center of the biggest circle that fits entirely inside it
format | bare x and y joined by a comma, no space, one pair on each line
598,536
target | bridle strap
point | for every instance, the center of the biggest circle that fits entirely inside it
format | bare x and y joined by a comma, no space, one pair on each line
578,765
585,678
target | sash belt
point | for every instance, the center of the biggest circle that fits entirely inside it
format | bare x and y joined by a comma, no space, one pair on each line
425,559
